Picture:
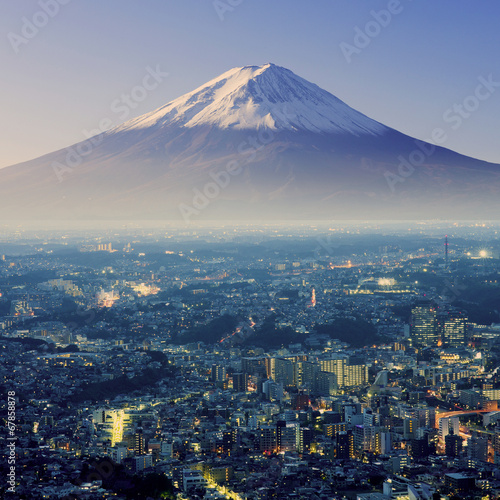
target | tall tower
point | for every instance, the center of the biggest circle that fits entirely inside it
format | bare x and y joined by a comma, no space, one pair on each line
423,328
454,329
446,252
313,298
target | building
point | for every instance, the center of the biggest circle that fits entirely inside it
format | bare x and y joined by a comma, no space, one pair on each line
477,448
306,438
139,442
355,375
167,449
471,398
240,382
348,372
419,448
142,462
372,439
192,479
344,448
288,436
254,365
326,383
221,474
118,454
449,424
459,483
336,366
453,444
453,329
305,374
267,439
218,373
423,326
496,447
272,390
283,371
332,430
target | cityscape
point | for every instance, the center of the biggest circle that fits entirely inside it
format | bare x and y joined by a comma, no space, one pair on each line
249,250
355,361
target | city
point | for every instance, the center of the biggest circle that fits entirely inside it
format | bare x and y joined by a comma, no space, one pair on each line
312,361
250,250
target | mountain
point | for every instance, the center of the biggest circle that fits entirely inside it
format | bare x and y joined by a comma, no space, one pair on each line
255,143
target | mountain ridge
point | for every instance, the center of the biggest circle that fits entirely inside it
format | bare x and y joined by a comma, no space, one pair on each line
285,148
268,93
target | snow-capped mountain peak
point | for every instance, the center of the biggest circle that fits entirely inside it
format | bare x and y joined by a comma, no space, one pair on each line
199,158
253,97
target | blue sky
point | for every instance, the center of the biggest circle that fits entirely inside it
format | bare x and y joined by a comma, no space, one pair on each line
62,77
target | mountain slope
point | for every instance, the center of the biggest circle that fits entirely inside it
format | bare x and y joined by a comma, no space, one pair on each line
260,96
257,142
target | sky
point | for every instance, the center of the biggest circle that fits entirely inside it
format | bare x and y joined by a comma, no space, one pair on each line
67,66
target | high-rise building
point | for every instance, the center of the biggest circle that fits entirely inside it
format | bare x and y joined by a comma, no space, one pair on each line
306,438
301,401
348,373
423,327
453,444
410,427
255,365
267,439
447,425
272,390
218,373
372,440
453,328
326,383
385,443
139,442
355,374
419,448
142,462
288,436
344,449
225,441
336,366
496,446
332,430
305,374
349,409
240,382
477,448
284,371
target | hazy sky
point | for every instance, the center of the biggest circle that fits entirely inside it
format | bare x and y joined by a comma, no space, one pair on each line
65,71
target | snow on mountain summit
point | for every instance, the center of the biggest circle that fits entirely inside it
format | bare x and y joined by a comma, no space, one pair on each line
260,96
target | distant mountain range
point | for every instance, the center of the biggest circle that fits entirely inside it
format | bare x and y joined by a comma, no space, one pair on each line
255,143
